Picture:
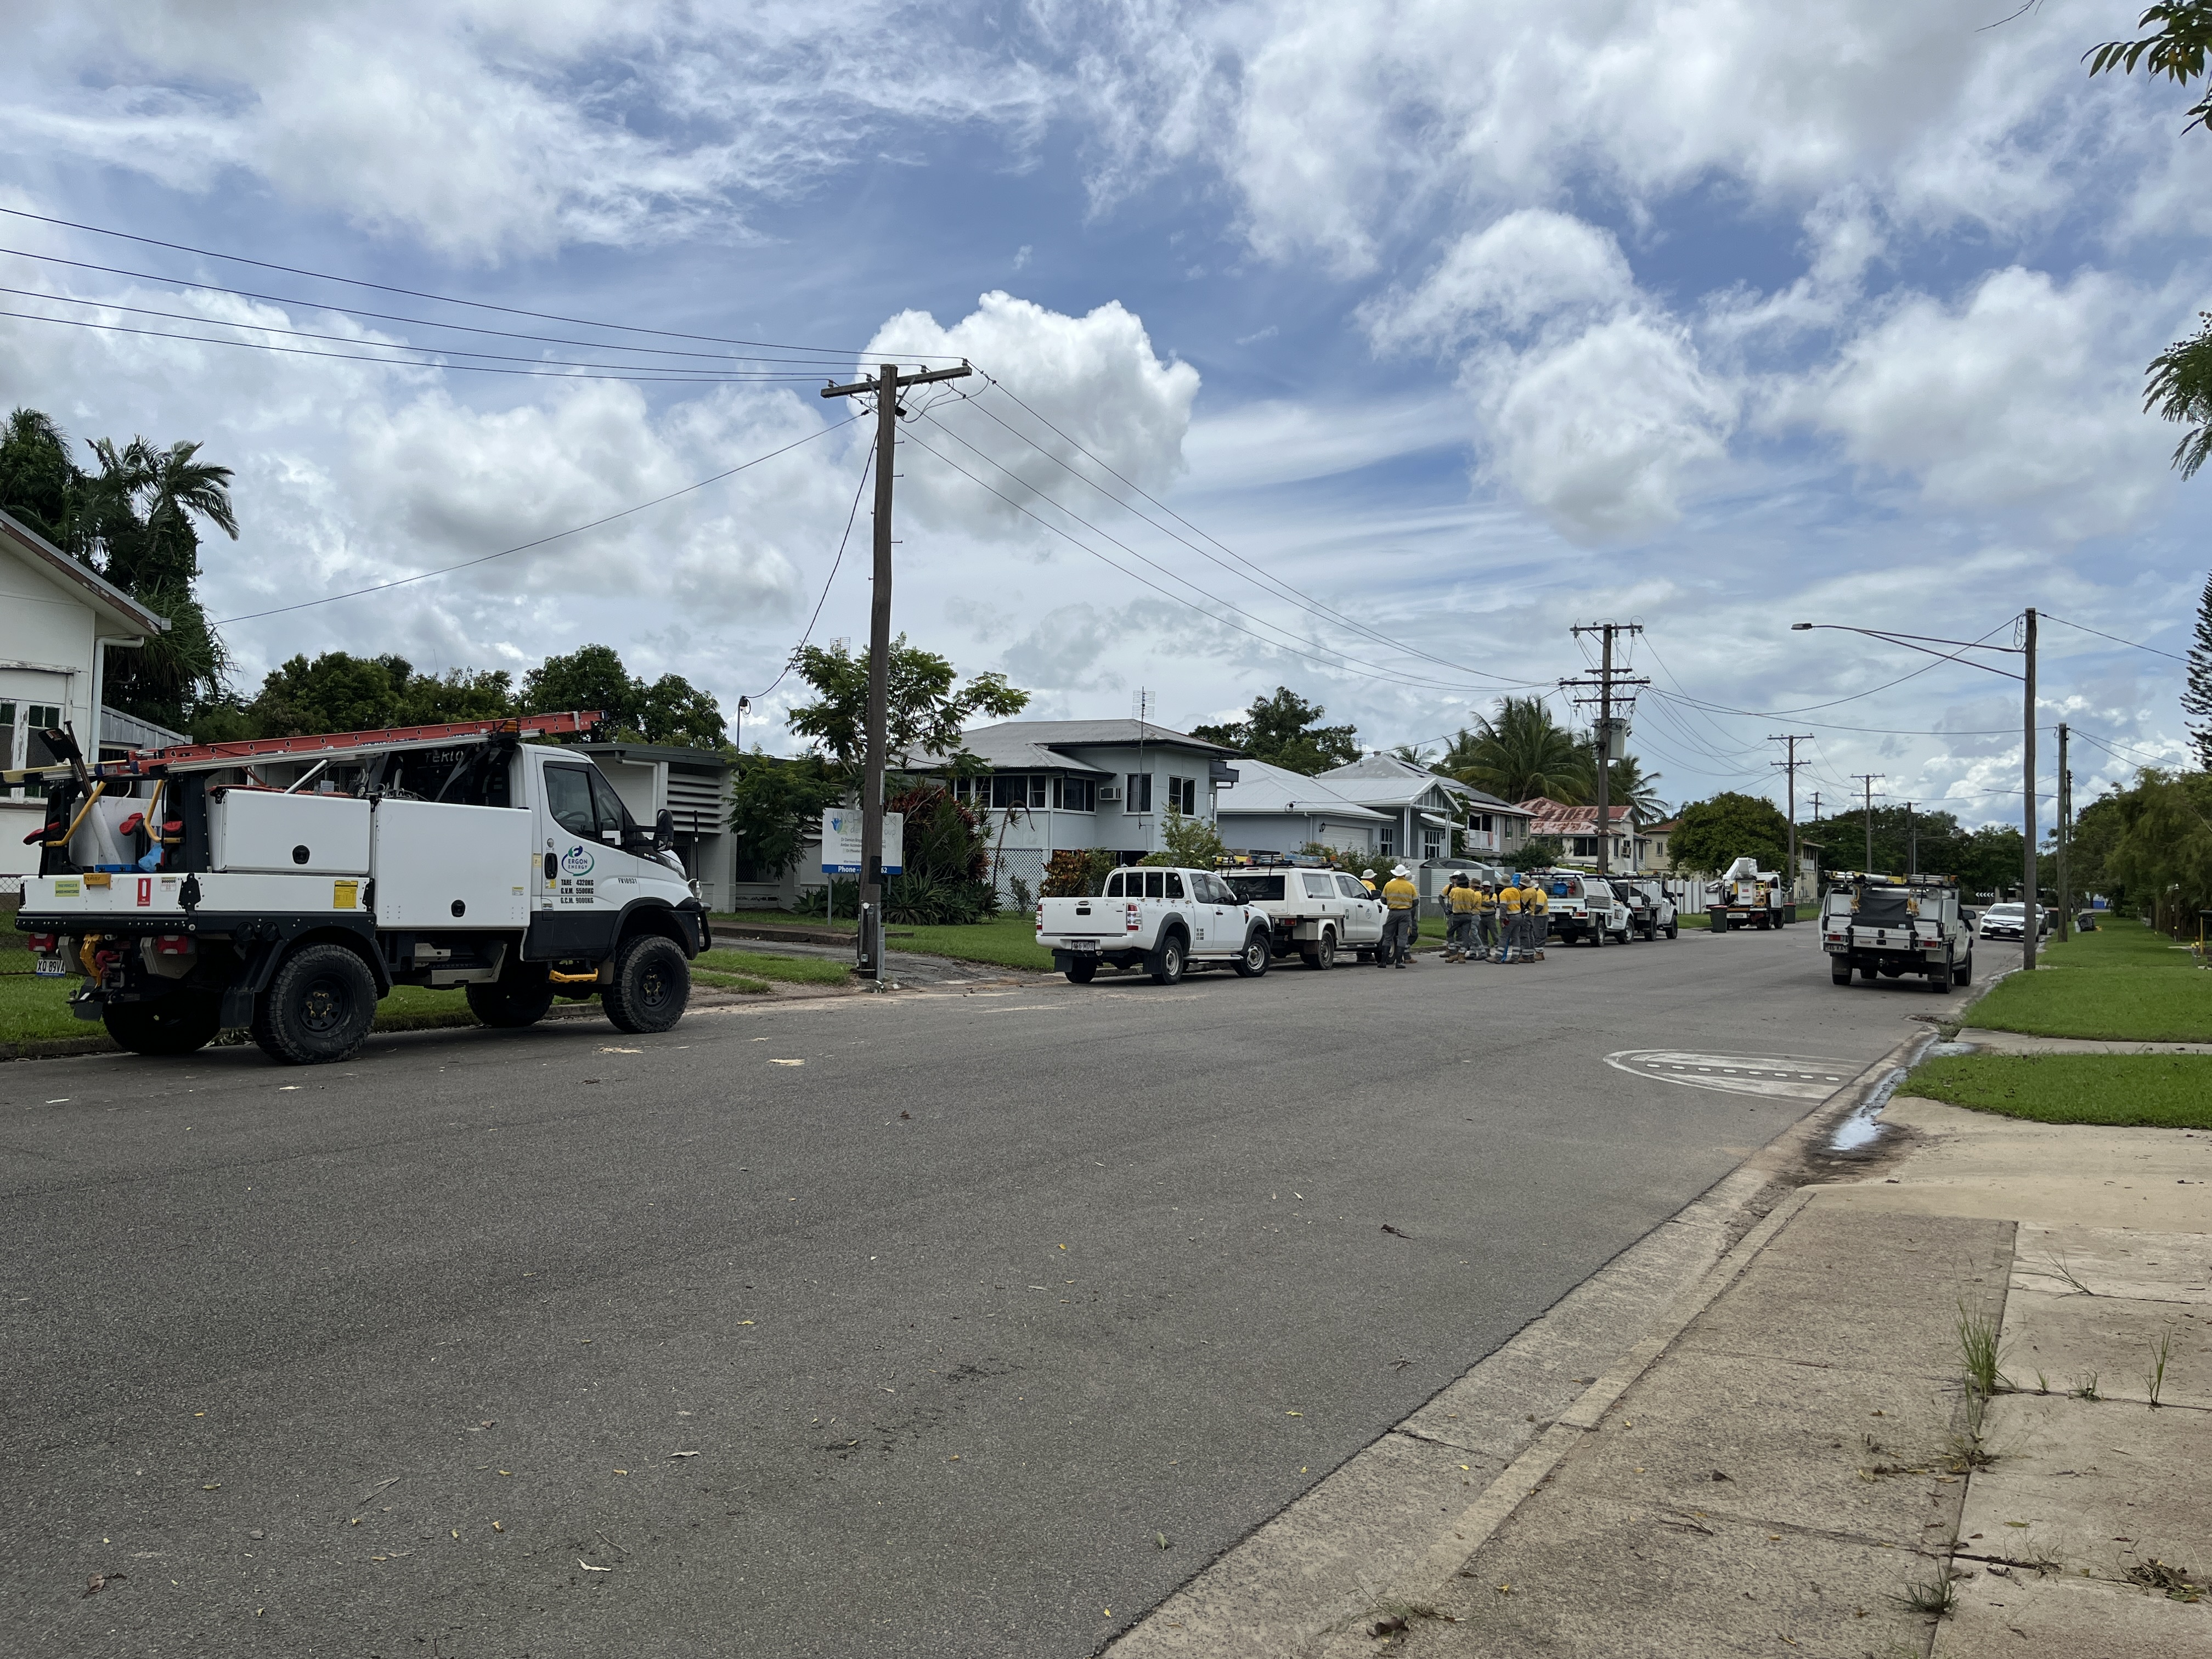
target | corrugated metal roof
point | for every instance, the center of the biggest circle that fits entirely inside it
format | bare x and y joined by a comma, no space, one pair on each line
1261,789
1085,734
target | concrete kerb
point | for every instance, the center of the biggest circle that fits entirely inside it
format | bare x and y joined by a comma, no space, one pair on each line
1726,1228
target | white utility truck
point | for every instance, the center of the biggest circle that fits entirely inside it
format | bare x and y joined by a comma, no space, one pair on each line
1312,911
1582,907
286,884
1747,896
1161,920
1650,912
1889,925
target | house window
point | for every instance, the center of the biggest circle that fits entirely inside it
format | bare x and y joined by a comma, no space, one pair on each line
1075,794
1183,796
1432,843
1139,799
1020,789
1479,822
1387,845
1585,846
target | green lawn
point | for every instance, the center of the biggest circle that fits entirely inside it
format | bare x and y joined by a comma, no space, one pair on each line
751,971
2122,983
2157,1090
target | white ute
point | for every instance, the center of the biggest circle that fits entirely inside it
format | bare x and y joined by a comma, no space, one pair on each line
1314,912
1161,920
1889,925
193,893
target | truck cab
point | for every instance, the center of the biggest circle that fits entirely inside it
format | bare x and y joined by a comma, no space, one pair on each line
286,884
1582,907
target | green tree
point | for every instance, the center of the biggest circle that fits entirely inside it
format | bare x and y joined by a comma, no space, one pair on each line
671,710
1284,730
775,804
1715,832
925,709
337,691
39,481
1192,843
1630,785
2196,687
2161,856
1517,752
1539,852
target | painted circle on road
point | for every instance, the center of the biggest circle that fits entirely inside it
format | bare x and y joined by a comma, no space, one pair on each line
1787,1077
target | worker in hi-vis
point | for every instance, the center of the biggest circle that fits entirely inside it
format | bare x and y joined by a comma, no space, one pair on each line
1403,900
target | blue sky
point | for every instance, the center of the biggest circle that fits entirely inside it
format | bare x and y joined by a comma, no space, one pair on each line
1453,326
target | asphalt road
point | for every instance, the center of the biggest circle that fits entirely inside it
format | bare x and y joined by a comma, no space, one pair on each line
560,1342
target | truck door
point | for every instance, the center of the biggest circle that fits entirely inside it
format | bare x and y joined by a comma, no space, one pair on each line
574,907
1363,913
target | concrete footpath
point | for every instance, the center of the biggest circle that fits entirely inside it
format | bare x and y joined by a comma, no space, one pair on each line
1809,1454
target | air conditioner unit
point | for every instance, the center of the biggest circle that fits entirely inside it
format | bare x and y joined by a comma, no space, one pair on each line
1109,792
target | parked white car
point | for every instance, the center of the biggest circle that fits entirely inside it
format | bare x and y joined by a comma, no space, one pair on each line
1162,919
1650,912
1316,913
1584,907
2009,920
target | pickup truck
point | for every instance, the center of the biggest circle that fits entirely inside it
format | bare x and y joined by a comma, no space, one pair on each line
1316,913
1162,919
1887,927
1650,912
1582,907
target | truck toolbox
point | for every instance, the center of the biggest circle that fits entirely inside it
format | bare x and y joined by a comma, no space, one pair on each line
438,866
260,830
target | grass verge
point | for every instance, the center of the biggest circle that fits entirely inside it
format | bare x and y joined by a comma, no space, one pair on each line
2169,1091
751,971
2124,983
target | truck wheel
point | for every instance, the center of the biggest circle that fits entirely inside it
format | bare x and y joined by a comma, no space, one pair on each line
514,999
1253,963
1081,973
651,985
1323,954
1940,980
318,1009
1674,930
1839,970
175,1025
1966,974
1165,964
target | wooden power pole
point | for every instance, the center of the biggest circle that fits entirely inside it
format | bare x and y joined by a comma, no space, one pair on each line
886,388
1789,768
1608,728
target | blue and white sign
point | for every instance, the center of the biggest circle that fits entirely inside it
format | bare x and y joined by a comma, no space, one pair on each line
841,842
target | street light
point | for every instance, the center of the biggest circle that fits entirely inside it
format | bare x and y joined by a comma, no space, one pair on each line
2025,651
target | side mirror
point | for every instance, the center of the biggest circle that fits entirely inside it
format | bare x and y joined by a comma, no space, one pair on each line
664,831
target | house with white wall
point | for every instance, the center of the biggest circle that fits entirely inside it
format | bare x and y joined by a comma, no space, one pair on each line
1274,810
1423,808
58,619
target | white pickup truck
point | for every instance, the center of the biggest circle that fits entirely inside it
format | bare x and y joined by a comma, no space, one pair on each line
1887,927
1161,920
1316,913
1582,907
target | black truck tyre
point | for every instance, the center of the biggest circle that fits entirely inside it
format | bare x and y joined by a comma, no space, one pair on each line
318,1009
651,985
519,997
1256,957
1940,979
1082,971
1323,954
1839,970
1166,963
176,1023
1965,973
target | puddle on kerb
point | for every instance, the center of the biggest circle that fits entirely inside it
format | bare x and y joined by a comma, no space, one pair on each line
1859,1130
1939,1050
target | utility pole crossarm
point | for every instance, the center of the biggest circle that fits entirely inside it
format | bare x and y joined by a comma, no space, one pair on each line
1606,682
859,387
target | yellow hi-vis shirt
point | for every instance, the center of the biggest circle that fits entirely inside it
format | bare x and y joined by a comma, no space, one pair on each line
1538,902
1465,901
1509,900
1401,894
1486,902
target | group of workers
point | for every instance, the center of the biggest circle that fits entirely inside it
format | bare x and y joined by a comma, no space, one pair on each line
1487,922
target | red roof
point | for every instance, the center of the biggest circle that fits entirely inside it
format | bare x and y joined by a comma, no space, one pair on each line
1551,817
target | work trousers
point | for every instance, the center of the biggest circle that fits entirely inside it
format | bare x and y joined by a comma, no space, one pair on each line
1486,924
1397,938
1459,935
1539,927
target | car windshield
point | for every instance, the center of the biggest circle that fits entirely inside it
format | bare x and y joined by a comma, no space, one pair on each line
2006,910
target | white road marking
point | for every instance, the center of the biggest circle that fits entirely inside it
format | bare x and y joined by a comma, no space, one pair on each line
1789,1077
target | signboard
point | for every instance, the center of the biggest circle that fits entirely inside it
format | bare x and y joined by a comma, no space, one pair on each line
841,842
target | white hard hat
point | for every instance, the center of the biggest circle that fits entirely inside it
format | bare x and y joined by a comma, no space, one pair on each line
1367,874
1400,870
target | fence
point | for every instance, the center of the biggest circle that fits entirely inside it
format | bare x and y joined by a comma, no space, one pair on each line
1013,864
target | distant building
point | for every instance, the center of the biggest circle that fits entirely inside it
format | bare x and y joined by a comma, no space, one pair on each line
693,786
1424,808
1274,810
1632,848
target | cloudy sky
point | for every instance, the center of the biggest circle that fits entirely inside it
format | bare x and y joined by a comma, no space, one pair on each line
1425,331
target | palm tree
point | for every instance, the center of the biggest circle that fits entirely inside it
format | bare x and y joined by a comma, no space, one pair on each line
1518,751
2181,391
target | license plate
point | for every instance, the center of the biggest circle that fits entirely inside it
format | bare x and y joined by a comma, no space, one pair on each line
1083,946
51,968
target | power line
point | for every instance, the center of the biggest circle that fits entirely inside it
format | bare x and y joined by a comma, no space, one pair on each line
524,547
839,352
2114,638
359,357
829,580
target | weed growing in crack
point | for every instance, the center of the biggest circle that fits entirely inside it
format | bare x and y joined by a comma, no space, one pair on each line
1932,1597
1981,1350
2154,1378
2085,1387
2062,1270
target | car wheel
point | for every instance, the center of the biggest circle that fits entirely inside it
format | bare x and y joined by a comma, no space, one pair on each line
1323,954
176,1023
518,998
1674,930
1966,974
318,1009
1081,973
1839,970
1940,980
1257,954
1166,963
651,985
